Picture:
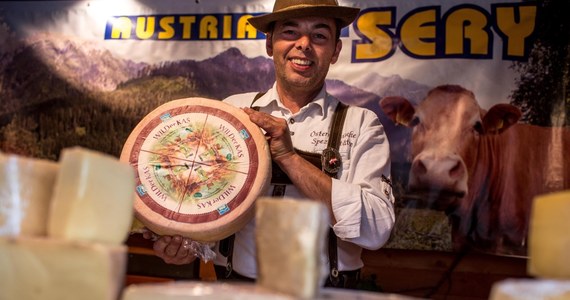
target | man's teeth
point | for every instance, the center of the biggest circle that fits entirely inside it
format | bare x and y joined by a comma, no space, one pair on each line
301,62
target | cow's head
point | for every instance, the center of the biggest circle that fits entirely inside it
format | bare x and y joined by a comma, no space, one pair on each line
446,130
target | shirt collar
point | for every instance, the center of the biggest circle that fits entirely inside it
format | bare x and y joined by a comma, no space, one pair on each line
272,98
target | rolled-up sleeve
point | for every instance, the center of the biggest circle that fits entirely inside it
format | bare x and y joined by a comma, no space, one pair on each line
362,199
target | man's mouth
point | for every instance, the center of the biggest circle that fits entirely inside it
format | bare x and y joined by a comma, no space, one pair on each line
301,62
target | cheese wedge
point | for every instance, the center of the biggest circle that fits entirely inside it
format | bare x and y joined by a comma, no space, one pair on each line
93,198
290,240
26,187
50,269
549,241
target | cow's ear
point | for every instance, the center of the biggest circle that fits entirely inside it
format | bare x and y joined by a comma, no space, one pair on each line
398,109
500,117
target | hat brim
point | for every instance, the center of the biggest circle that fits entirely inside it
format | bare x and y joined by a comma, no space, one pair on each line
346,15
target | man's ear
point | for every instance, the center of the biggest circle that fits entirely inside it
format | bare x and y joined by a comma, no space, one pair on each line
500,117
336,54
268,44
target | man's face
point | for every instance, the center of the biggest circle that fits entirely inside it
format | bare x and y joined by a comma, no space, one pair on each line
302,50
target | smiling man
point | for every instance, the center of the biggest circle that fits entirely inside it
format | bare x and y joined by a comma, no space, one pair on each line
322,150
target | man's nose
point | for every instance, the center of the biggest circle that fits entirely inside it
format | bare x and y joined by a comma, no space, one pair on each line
303,43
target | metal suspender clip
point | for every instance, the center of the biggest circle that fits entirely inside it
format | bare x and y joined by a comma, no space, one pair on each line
331,160
334,277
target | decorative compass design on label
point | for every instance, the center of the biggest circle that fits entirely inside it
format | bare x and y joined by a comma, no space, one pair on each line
200,165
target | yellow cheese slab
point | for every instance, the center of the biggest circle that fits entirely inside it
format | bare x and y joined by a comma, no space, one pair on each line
290,239
93,198
549,236
26,186
49,269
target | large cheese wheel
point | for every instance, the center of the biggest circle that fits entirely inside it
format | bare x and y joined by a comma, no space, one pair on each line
200,166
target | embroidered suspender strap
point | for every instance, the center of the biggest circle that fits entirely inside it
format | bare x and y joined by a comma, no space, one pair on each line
257,96
331,163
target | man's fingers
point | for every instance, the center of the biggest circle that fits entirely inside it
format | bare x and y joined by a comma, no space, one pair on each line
174,246
160,245
273,126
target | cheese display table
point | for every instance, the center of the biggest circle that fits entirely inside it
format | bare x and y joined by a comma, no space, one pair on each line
191,290
200,164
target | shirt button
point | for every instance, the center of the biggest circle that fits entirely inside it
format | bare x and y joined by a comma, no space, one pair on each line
292,132
291,121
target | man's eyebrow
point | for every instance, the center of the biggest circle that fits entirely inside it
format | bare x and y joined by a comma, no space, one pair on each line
290,23
296,24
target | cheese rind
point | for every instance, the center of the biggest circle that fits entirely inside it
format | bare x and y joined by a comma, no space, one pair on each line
549,241
51,269
290,241
93,198
26,187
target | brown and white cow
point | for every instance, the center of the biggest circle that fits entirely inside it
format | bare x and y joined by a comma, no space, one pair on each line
481,167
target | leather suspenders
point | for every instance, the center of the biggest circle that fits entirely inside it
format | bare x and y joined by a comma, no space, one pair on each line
329,162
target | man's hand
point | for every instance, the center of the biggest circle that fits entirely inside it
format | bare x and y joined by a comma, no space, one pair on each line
277,133
172,249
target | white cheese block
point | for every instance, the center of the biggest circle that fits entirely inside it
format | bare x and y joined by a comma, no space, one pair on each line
26,186
530,289
93,198
200,165
290,241
49,269
200,290
195,290
549,240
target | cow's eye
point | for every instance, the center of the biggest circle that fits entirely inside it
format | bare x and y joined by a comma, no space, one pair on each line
414,122
478,127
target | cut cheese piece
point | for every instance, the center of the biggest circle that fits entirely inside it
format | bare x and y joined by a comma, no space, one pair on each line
93,198
530,289
290,240
194,290
26,186
200,166
49,269
549,241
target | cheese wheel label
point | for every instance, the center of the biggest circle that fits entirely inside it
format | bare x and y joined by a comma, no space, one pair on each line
197,161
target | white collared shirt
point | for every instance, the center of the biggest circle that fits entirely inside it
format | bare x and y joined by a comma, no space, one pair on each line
362,202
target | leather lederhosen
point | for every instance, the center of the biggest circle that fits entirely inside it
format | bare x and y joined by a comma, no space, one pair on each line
280,180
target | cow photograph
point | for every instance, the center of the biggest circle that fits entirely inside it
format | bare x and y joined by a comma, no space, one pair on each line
482,168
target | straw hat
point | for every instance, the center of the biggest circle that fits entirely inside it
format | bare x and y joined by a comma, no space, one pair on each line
287,9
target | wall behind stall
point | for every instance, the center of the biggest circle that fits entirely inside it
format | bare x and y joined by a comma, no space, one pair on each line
86,72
